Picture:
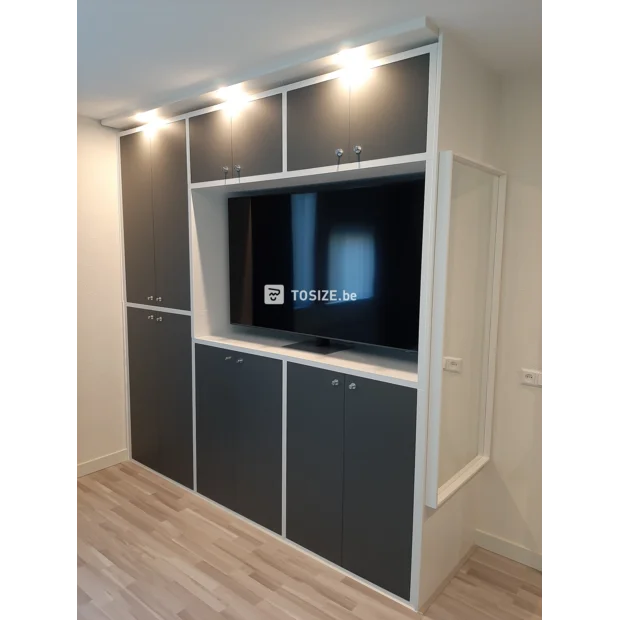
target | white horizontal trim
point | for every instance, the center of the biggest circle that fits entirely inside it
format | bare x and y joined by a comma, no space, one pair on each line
419,158
426,49
158,309
448,489
101,462
509,549
348,367
286,541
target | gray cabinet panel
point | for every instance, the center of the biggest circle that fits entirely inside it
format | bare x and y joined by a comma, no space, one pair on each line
210,143
317,125
389,110
173,389
138,217
170,215
217,421
258,384
142,354
314,464
257,137
379,437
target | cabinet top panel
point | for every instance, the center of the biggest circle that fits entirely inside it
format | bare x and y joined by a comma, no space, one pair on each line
390,366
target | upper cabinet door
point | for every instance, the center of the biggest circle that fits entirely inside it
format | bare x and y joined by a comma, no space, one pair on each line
138,218
389,110
210,146
257,137
379,461
317,125
171,227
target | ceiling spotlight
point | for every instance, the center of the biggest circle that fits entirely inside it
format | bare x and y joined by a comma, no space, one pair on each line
355,65
234,98
147,117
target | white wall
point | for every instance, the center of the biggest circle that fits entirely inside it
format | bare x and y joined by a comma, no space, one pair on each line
101,424
510,506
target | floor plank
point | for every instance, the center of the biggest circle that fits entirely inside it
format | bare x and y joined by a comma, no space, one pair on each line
149,550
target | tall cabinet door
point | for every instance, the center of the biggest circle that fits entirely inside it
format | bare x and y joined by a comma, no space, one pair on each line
170,216
217,421
138,217
389,110
258,389
173,389
143,353
210,146
314,462
317,124
257,137
379,449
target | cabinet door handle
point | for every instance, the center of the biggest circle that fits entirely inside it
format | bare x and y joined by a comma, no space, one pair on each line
149,298
240,360
161,318
335,382
339,154
238,169
357,149
352,386
158,299
225,169
228,357
150,317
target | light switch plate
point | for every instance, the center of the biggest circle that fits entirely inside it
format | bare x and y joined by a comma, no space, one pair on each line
453,364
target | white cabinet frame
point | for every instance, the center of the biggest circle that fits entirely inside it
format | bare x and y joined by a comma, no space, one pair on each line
436,495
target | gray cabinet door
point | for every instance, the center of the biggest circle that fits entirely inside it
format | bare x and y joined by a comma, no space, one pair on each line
210,146
170,216
217,423
257,137
258,388
317,125
142,352
173,390
379,460
314,462
138,217
389,110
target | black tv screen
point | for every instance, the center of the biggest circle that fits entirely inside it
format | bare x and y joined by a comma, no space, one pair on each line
333,262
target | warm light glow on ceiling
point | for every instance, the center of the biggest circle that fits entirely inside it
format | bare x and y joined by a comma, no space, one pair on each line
147,117
152,127
234,98
355,65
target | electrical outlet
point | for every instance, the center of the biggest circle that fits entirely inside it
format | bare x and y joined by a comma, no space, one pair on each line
529,377
453,364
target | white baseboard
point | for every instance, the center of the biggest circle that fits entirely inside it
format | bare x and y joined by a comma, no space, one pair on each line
508,549
88,467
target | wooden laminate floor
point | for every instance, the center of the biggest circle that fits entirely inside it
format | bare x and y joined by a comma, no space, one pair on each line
148,549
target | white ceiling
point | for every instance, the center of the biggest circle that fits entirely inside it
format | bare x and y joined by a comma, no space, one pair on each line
139,54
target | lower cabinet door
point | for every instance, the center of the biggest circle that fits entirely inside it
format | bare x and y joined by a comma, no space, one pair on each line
379,460
217,423
142,354
258,388
173,389
314,462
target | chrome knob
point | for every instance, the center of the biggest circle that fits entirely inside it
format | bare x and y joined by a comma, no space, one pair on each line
240,360
225,169
228,357
149,298
339,153
352,386
357,149
237,168
150,317
160,319
335,382
158,299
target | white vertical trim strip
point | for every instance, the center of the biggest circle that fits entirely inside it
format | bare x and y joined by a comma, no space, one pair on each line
425,322
123,298
284,132
191,300
284,438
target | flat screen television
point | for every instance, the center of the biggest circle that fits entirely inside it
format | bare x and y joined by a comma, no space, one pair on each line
333,262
